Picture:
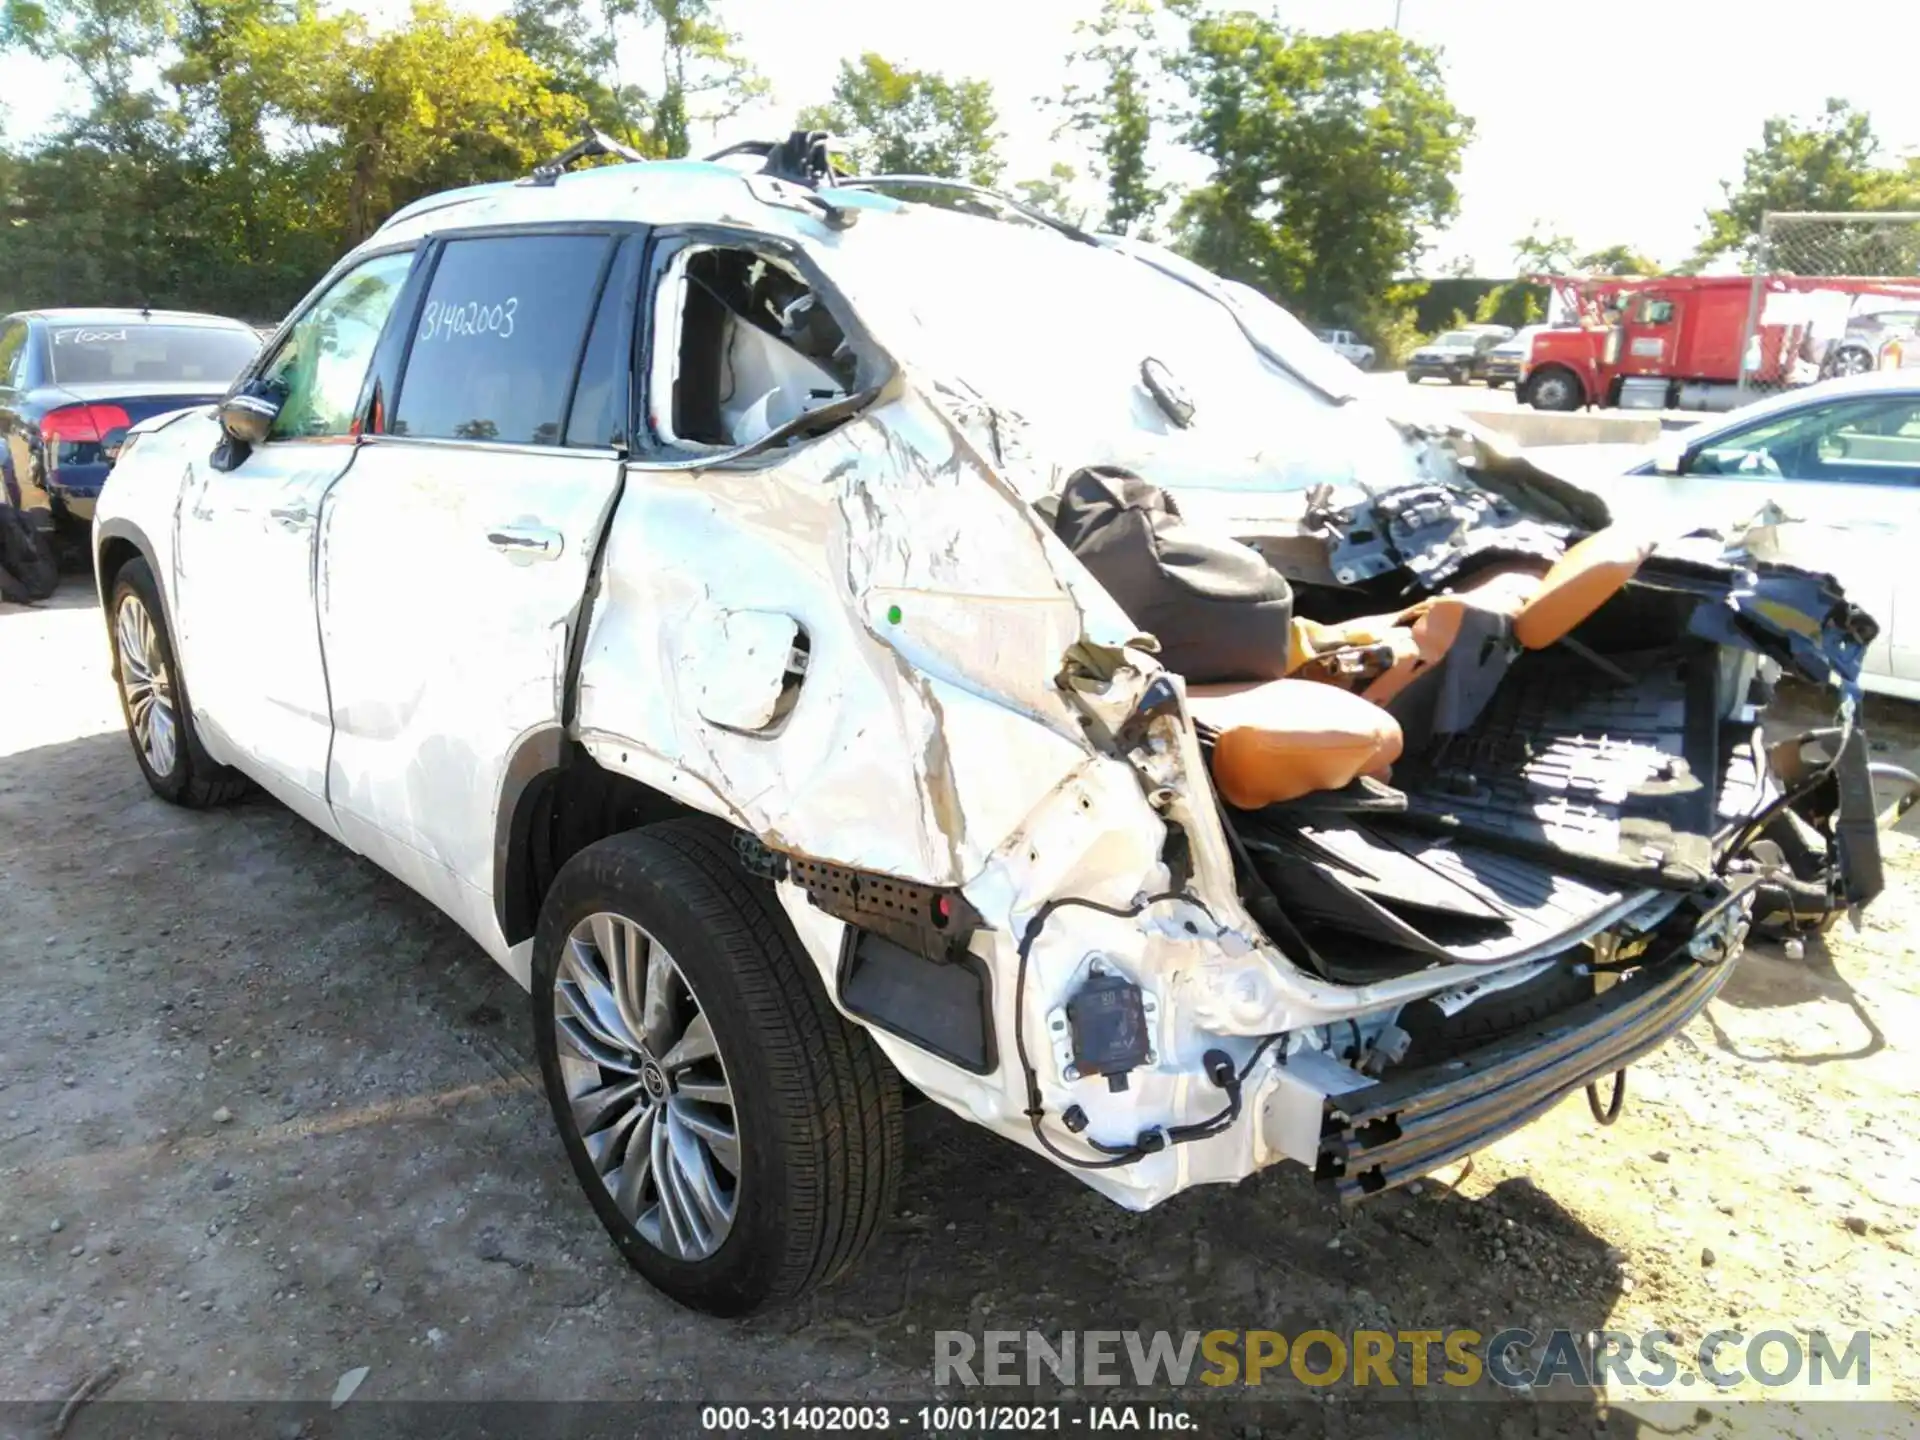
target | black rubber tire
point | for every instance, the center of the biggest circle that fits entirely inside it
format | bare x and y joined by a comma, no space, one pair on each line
817,1104
197,781
1573,396
1438,1036
28,561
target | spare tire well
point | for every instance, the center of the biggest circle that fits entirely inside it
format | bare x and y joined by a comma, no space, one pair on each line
548,815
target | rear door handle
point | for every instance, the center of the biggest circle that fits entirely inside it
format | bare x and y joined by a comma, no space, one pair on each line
523,544
292,517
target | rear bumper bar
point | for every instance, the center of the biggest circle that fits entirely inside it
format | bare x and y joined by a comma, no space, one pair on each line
1403,1127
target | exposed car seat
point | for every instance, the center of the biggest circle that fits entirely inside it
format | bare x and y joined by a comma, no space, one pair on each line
1283,739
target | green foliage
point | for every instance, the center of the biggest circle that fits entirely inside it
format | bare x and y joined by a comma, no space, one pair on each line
1544,253
1114,105
1831,164
1054,195
225,152
1617,260
891,121
1331,157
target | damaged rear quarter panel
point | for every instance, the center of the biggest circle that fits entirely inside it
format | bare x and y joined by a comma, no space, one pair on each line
926,727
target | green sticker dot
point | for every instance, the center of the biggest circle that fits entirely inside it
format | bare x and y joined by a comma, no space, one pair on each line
893,614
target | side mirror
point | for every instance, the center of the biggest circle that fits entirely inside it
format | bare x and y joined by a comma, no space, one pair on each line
248,417
112,443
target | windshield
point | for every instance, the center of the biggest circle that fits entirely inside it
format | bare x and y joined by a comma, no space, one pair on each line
1104,356
139,353
1457,340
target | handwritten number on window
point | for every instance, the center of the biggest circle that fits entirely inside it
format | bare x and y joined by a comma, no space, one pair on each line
473,320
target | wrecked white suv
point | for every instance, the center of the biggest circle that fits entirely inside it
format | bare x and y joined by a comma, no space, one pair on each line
830,638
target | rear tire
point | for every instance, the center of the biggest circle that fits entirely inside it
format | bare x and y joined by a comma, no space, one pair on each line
811,1112
153,698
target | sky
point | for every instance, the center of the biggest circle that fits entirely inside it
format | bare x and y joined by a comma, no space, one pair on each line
1612,125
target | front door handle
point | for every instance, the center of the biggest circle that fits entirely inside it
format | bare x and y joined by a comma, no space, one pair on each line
523,543
292,517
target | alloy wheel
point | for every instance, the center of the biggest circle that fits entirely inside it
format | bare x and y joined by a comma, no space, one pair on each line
147,686
647,1087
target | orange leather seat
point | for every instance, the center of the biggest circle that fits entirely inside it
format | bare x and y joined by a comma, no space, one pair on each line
1580,582
1434,624
1282,739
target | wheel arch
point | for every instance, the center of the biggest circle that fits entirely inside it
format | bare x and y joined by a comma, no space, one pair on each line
555,800
115,542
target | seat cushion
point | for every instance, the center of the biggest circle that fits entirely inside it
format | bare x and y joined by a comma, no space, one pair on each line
1580,582
1286,738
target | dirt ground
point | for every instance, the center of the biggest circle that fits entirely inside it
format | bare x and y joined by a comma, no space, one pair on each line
265,1118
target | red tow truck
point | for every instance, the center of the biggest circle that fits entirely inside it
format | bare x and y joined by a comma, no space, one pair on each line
1679,341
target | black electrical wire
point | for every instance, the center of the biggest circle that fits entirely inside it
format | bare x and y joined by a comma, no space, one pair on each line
1116,1155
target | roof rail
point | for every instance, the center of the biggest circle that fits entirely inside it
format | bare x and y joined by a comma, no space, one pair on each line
593,144
881,184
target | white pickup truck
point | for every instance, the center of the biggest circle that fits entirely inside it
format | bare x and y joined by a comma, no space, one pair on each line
1348,346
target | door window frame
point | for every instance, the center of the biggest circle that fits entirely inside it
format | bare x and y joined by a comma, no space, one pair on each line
397,343
874,366
283,336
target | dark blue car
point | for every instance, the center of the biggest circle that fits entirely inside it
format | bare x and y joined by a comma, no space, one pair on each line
73,381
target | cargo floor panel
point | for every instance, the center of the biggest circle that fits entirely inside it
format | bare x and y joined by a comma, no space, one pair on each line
1570,762
1371,884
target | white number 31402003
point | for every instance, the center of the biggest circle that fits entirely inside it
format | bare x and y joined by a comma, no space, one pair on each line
454,321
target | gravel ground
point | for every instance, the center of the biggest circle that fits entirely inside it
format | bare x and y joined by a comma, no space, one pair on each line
265,1117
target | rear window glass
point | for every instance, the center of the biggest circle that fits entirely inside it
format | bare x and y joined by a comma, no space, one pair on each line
160,354
499,338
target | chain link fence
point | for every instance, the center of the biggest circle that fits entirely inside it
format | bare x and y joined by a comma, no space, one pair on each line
1833,294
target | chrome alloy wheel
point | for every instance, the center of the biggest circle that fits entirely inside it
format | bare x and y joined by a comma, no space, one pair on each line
647,1088
147,686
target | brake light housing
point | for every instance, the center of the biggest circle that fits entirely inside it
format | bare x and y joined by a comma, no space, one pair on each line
74,434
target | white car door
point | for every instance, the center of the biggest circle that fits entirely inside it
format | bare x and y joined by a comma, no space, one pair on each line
244,561
457,550
1846,473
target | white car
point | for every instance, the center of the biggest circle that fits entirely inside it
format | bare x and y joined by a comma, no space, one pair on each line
728,597
1840,463
1348,346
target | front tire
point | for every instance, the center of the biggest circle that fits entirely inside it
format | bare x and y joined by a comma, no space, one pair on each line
1555,389
153,698
740,1141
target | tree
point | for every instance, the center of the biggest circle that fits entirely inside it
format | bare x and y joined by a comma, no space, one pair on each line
1331,157
1616,260
1054,195
703,78
1828,165
891,121
1544,253
1115,107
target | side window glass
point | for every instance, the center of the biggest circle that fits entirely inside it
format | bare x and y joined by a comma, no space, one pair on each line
1656,312
498,339
598,419
742,346
13,352
1873,441
324,359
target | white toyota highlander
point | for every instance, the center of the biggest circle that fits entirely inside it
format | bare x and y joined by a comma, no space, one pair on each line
834,640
